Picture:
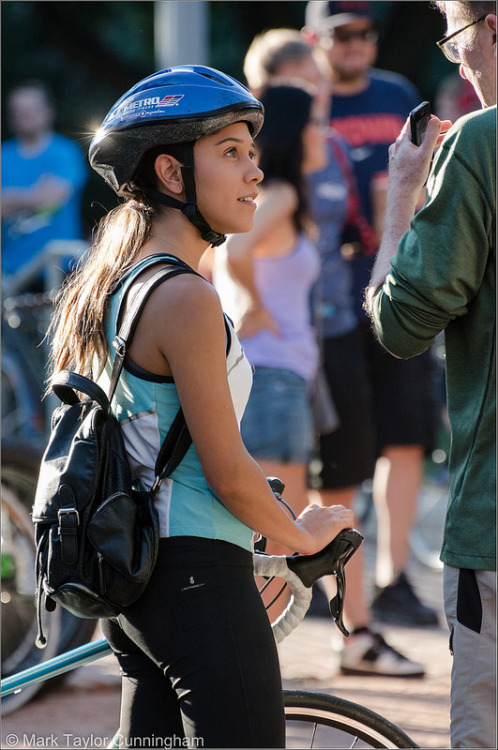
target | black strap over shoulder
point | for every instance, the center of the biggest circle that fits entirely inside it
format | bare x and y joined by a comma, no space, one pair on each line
65,383
128,278
126,323
178,439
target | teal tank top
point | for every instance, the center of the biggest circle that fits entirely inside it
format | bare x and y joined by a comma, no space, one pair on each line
146,405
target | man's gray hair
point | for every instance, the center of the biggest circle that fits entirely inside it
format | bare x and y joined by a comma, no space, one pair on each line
471,9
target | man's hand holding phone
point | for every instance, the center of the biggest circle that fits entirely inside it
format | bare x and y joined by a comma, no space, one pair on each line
409,164
409,167
419,117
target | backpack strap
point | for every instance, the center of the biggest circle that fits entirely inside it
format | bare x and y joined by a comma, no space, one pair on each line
126,323
65,383
171,453
128,276
178,440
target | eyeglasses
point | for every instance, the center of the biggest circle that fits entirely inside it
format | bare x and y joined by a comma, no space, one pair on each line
452,51
344,36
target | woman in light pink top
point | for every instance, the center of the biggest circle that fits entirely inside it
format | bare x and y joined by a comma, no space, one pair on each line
268,276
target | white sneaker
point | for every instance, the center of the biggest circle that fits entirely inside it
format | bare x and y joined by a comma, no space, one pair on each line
371,655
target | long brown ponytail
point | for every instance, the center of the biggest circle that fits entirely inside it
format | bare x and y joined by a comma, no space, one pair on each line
77,333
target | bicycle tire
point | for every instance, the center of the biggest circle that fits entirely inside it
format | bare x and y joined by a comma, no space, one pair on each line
23,414
337,723
20,466
19,623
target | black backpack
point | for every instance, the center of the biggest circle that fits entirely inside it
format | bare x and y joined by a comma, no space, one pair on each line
96,536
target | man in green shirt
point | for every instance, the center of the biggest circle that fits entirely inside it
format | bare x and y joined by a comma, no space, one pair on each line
436,271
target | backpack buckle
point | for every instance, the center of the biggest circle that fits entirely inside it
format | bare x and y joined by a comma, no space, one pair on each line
155,487
119,346
69,519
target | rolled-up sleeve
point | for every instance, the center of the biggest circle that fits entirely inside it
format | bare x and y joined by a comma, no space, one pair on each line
442,258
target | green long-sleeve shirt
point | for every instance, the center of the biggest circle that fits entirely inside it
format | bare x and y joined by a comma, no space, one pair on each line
443,278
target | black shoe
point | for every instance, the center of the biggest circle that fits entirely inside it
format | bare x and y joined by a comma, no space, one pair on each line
398,604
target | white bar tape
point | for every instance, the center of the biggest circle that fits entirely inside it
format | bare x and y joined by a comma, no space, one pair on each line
273,565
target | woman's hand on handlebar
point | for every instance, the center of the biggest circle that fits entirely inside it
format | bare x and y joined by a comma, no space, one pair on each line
322,524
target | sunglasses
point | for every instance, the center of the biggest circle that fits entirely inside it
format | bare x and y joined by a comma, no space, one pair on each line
342,35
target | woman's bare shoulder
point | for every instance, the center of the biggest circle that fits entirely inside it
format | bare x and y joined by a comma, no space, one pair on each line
186,295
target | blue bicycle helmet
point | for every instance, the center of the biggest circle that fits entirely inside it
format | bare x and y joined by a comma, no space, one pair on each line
173,106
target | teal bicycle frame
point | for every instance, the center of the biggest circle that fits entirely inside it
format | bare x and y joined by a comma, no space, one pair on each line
78,657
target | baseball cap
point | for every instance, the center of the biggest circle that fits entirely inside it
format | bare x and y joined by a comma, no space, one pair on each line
322,15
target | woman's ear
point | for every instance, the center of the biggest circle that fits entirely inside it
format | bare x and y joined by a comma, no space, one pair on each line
169,173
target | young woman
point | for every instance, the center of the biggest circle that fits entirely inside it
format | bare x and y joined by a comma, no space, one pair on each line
273,268
196,654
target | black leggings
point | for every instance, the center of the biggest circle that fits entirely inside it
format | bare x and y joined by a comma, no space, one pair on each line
197,656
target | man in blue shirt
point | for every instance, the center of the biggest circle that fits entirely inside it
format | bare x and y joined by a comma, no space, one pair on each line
283,53
394,399
43,175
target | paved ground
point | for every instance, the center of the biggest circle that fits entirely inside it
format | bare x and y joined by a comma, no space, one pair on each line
84,712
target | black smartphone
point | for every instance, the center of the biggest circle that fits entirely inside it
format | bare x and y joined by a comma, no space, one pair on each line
419,117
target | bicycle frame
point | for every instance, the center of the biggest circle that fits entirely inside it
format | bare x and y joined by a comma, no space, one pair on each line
78,657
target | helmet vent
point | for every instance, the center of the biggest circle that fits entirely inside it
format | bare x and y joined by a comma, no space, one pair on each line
214,78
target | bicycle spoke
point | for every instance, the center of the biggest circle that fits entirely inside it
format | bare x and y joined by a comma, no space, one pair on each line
313,735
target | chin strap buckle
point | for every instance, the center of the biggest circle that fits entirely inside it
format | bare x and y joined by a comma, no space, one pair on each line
214,238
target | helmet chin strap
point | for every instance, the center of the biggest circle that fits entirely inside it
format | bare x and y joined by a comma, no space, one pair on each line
189,208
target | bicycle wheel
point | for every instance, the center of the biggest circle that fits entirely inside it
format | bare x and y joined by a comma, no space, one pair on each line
22,412
316,720
20,465
23,367
19,623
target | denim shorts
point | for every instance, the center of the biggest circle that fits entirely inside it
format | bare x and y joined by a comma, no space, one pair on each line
277,423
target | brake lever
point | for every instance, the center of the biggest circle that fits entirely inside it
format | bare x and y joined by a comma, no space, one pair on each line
336,605
330,560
